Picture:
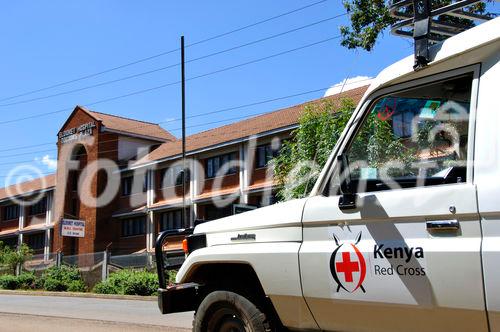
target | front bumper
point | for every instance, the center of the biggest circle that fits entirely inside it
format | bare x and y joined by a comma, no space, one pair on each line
178,298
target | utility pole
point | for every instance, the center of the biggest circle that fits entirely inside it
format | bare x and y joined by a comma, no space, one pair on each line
183,93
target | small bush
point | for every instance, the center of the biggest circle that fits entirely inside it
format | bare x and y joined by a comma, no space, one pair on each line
9,282
141,283
54,285
171,276
27,280
129,282
104,287
63,278
77,286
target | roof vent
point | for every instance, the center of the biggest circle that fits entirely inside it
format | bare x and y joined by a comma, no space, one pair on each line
428,24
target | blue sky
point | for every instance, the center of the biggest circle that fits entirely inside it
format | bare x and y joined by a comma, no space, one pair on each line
48,42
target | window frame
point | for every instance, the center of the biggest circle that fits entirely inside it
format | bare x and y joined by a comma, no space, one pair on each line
357,120
131,220
175,178
4,215
266,147
166,222
39,237
38,204
124,180
217,162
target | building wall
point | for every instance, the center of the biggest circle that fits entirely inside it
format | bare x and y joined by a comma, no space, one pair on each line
104,224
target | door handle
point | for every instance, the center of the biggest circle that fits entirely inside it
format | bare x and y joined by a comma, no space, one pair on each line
443,225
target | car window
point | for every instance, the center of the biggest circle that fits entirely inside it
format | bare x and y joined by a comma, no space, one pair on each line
414,137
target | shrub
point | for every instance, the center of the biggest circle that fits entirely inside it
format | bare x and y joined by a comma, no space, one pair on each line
9,281
142,283
63,278
129,282
54,285
27,280
77,286
104,287
12,257
171,276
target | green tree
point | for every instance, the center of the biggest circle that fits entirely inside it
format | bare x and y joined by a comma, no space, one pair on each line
377,145
301,158
369,18
12,257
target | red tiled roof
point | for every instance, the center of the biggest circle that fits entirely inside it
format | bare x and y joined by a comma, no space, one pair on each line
256,125
45,182
132,126
245,128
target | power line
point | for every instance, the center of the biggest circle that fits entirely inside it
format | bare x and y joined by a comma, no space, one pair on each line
209,113
172,65
26,146
162,53
248,116
261,102
137,92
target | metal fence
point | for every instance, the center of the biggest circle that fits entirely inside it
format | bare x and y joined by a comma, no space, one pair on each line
97,266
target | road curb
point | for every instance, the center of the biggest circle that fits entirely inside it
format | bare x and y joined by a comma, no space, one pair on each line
83,295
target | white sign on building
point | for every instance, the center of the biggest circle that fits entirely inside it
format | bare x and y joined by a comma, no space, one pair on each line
77,133
73,228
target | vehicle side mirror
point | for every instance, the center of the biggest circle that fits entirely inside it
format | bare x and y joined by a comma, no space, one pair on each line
348,198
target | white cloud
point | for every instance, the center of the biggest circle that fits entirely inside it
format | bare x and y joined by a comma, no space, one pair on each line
348,84
47,161
169,120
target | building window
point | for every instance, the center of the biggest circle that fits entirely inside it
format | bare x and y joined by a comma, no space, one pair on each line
11,212
10,242
213,212
39,207
172,176
134,226
264,154
36,241
127,186
214,164
145,182
75,207
74,176
171,220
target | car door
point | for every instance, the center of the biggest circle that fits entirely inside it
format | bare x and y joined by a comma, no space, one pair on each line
407,256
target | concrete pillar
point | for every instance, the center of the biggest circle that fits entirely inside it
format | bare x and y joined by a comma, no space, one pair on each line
22,213
150,198
243,174
193,190
48,222
46,248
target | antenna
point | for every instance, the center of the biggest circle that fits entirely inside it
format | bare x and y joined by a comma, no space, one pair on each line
425,24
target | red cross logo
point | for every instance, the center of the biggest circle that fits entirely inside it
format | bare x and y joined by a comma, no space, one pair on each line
354,271
347,267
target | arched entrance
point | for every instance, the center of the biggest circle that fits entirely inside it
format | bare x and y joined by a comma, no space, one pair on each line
75,165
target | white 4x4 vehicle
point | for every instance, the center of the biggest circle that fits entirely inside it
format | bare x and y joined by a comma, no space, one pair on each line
401,231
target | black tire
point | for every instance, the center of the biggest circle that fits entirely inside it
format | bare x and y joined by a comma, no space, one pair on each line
223,311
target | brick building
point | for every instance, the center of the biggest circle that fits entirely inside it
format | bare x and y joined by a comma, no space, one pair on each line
123,179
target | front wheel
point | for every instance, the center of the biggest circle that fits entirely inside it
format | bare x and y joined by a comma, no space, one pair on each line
223,311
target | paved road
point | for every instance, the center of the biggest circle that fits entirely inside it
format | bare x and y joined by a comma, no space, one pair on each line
52,313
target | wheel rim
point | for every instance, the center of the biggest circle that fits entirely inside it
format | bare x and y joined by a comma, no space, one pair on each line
226,320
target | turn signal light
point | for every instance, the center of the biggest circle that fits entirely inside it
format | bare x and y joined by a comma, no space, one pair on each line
193,242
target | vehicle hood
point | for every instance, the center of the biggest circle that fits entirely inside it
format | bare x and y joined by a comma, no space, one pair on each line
280,215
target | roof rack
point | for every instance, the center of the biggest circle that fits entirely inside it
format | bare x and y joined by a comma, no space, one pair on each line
426,27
